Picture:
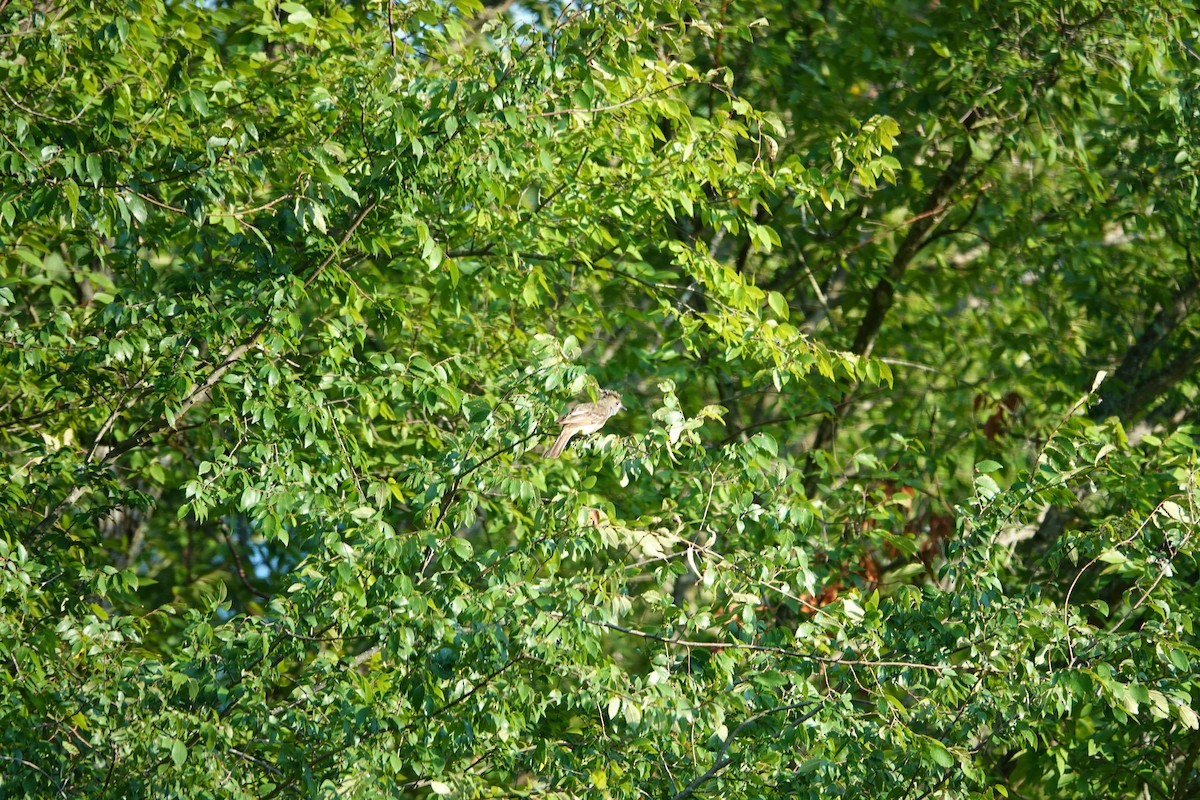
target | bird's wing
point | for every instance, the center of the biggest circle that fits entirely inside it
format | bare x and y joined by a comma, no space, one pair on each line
576,414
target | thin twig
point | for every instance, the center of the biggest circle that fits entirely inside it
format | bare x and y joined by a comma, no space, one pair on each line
723,759
759,648
613,107
59,120
391,28
237,562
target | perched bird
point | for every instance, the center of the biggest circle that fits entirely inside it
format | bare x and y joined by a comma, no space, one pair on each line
585,418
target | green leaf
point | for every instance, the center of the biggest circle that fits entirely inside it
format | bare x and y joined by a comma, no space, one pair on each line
940,754
71,191
250,498
198,101
778,304
297,14
136,207
986,487
766,443
462,548
94,169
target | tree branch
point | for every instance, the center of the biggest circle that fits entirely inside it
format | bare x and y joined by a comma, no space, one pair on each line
883,295
198,395
723,758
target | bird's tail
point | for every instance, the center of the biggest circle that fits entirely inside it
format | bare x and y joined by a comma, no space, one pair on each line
556,449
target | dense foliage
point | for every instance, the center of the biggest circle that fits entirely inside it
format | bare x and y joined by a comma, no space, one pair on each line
899,296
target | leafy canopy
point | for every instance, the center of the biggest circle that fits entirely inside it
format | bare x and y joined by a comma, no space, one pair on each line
898,296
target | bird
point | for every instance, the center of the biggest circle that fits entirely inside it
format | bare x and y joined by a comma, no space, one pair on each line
585,418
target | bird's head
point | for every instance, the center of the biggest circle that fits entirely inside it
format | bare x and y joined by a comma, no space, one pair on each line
609,394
